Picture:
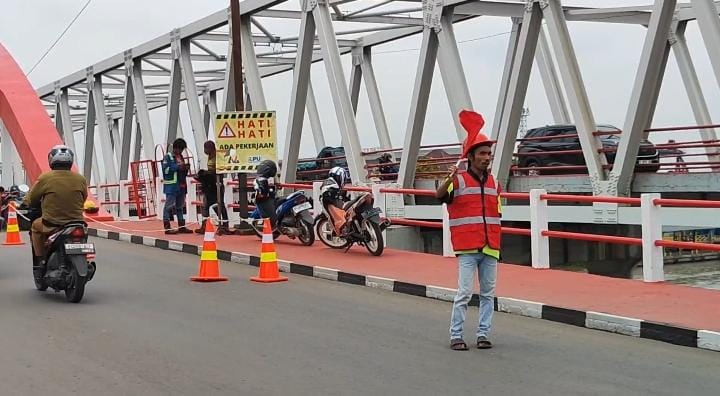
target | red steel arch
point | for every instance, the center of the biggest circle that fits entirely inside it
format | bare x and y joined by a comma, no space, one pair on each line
28,124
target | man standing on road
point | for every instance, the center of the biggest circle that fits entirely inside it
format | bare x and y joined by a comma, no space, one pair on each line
473,203
175,171
209,183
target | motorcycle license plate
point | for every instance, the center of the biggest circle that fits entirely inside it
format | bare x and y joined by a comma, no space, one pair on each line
79,248
372,212
301,207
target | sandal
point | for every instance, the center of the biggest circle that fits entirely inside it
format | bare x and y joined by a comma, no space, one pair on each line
458,345
484,343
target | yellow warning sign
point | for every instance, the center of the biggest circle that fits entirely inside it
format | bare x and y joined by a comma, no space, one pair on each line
244,139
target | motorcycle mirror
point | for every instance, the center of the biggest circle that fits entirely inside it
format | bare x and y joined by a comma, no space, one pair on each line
24,188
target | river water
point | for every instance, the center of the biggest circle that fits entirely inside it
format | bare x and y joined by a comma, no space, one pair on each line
705,274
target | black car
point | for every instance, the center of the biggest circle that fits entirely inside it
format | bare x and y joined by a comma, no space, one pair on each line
648,158
312,170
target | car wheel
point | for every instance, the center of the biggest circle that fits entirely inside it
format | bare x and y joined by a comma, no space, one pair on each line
533,163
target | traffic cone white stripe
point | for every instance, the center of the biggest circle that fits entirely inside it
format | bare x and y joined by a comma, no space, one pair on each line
209,236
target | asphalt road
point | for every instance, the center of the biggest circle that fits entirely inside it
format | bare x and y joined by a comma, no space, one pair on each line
143,328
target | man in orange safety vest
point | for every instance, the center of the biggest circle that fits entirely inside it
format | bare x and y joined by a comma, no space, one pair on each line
473,203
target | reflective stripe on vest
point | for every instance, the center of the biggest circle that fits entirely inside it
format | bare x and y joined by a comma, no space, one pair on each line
476,191
474,220
463,190
166,178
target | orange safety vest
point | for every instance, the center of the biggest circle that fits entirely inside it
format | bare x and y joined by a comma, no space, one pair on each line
474,213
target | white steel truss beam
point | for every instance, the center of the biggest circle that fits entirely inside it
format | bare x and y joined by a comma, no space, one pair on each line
252,71
115,136
573,82
141,105
193,102
505,80
452,72
127,127
551,82
210,108
692,86
373,93
516,91
314,116
643,97
63,115
355,77
172,120
298,98
418,108
109,157
91,170
339,92
709,25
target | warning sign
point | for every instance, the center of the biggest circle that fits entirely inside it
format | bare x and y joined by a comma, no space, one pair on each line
244,139
226,132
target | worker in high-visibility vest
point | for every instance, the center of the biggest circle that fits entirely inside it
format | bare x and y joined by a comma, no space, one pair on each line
175,170
472,199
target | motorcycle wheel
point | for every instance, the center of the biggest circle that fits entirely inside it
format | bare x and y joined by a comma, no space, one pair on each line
376,244
258,227
75,290
307,235
326,233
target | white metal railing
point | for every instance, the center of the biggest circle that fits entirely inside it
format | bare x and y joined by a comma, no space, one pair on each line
648,211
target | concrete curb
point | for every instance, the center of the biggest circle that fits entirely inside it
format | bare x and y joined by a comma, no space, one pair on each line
703,339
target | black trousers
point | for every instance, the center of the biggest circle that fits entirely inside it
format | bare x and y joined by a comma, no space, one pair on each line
212,199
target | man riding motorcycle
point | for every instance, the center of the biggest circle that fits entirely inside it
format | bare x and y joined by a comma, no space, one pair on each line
60,194
265,191
332,191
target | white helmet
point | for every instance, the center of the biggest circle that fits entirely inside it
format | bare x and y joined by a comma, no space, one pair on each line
340,175
61,157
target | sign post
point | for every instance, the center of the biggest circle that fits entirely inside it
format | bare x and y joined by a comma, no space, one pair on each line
244,139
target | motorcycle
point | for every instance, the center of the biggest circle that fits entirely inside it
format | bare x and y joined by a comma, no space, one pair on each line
293,218
69,259
357,221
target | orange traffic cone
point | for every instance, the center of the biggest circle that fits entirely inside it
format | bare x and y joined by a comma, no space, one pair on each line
12,234
268,258
209,269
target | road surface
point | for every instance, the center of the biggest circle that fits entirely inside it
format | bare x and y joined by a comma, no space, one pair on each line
143,328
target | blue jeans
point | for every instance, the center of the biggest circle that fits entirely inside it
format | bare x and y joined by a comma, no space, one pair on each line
487,275
177,201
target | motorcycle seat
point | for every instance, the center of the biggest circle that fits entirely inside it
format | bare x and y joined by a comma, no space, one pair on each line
352,202
60,230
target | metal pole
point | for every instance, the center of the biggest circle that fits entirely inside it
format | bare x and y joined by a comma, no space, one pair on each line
236,33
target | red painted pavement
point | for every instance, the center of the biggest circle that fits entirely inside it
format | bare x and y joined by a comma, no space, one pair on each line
679,305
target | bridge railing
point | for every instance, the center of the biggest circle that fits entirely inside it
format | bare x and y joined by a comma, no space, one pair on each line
672,156
647,211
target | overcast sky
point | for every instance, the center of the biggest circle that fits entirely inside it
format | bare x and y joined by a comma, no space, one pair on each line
607,53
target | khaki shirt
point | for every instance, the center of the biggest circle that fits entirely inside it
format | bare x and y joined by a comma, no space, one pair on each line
61,195
212,161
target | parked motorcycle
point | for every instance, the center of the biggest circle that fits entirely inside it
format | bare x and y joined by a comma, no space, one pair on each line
69,259
341,225
293,218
